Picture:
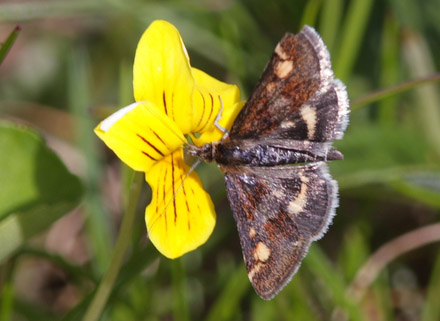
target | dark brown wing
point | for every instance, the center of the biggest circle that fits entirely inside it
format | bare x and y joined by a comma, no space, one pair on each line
279,212
297,96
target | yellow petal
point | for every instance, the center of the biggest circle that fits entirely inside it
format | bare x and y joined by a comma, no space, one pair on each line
140,135
210,96
162,73
213,133
181,215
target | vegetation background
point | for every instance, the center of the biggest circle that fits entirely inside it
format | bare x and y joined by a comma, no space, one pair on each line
71,65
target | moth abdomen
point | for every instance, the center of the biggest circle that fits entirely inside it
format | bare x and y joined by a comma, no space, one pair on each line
229,153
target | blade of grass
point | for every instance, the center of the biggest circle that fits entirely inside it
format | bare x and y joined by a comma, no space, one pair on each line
319,265
383,297
417,192
229,300
180,304
97,305
390,69
135,265
75,273
421,63
97,222
330,21
125,91
353,31
27,10
263,312
393,90
230,32
310,12
354,252
431,308
27,311
6,46
381,176
295,302
6,302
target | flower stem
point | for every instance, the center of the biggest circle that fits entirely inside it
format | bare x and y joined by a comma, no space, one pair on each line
105,287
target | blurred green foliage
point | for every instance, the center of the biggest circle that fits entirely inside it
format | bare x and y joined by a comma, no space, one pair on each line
36,187
71,66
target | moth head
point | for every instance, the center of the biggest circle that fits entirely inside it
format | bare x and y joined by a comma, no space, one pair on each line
205,152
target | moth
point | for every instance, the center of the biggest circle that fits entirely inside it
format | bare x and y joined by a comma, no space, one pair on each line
274,159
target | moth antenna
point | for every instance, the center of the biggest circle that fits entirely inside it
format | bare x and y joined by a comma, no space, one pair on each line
219,117
158,216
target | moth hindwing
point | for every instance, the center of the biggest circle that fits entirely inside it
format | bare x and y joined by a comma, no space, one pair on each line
279,212
277,181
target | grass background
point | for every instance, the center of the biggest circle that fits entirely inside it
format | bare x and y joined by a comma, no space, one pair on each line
72,64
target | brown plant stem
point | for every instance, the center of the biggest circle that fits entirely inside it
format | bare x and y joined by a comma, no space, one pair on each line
389,252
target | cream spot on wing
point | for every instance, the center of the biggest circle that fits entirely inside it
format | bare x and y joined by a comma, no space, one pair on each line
309,115
283,68
297,243
304,179
278,193
280,52
298,204
270,86
287,124
254,270
107,123
262,252
252,233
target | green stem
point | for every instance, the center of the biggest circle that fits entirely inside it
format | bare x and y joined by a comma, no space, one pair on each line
393,90
179,284
105,287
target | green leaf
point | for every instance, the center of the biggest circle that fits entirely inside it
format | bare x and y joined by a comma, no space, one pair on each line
35,187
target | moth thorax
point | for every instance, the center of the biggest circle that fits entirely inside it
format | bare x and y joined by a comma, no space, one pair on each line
205,152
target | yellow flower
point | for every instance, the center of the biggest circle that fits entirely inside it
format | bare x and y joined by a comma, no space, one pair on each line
172,100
